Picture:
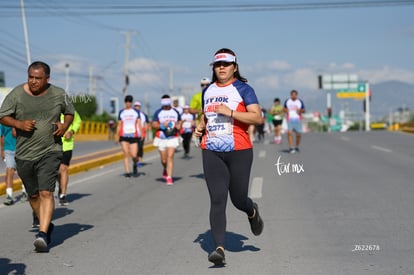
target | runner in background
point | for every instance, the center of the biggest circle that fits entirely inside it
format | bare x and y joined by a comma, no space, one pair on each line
128,128
68,143
294,108
188,124
8,151
277,112
195,102
167,123
145,127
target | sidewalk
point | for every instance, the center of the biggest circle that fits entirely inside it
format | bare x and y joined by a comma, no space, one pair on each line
80,164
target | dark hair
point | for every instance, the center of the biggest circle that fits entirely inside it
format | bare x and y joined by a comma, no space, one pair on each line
294,91
276,100
40,64
128,98
165,96
236,74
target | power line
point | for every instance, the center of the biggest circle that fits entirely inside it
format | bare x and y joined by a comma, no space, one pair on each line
120,8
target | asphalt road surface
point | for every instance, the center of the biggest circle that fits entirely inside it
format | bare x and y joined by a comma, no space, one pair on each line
343,205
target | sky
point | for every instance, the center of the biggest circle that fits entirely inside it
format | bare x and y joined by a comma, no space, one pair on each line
280,45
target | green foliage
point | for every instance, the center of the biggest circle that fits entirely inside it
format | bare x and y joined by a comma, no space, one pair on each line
105,117
85,105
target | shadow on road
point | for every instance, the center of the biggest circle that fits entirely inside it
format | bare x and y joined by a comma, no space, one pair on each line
66,231
233,242
10,268
75,196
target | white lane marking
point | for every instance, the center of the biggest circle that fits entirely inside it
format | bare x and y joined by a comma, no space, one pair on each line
106,172
262,154
96,175
345,138
379,148
256,188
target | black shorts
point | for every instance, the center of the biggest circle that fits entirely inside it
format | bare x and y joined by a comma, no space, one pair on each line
41,174
128,139
277,122
66,157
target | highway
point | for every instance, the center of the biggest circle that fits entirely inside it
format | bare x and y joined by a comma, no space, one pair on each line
343,205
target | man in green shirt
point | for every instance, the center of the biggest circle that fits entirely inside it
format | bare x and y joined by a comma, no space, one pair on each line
33,109
195,102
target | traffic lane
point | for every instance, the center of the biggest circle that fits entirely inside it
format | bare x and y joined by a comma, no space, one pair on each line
137,226
312,219
352,198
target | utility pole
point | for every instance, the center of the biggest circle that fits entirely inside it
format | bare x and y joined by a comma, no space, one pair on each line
26,36
171,84
67,77
126,65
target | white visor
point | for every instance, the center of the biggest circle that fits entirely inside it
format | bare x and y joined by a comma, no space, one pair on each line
166,102
223,57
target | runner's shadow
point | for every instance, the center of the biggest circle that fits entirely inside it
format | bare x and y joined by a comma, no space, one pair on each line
175,179
66,231
61,212
198,176
75,196
233,242
10,268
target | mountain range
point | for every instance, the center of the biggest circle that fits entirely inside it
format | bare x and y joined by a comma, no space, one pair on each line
386,97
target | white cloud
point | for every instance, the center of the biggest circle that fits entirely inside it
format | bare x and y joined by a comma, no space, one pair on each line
387,74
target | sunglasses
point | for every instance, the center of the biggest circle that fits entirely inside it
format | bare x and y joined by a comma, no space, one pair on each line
220,63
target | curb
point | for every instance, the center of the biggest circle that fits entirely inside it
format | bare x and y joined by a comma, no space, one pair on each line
80,167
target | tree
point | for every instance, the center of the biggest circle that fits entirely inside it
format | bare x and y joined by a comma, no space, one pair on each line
85,105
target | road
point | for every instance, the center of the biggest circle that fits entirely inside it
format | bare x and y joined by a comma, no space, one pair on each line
343,205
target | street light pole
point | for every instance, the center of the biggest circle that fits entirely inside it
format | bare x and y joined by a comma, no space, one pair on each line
367,108
26,36
67,77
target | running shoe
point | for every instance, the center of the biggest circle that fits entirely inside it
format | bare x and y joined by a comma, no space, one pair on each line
297,149
63,201
256,222
134,169
169,181
127,175
35,223
24,197
40,242
9,201
164,174
292,151
217,257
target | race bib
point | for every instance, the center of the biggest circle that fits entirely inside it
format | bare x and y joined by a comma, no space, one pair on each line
129,129
277,117
219,126
187,124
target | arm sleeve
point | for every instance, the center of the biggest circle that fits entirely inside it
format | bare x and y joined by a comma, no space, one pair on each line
76,123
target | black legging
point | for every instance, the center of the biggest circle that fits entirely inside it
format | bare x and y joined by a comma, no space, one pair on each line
186,141
227,173
141,147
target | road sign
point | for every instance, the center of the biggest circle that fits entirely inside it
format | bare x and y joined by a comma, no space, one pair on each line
358,93
338,81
